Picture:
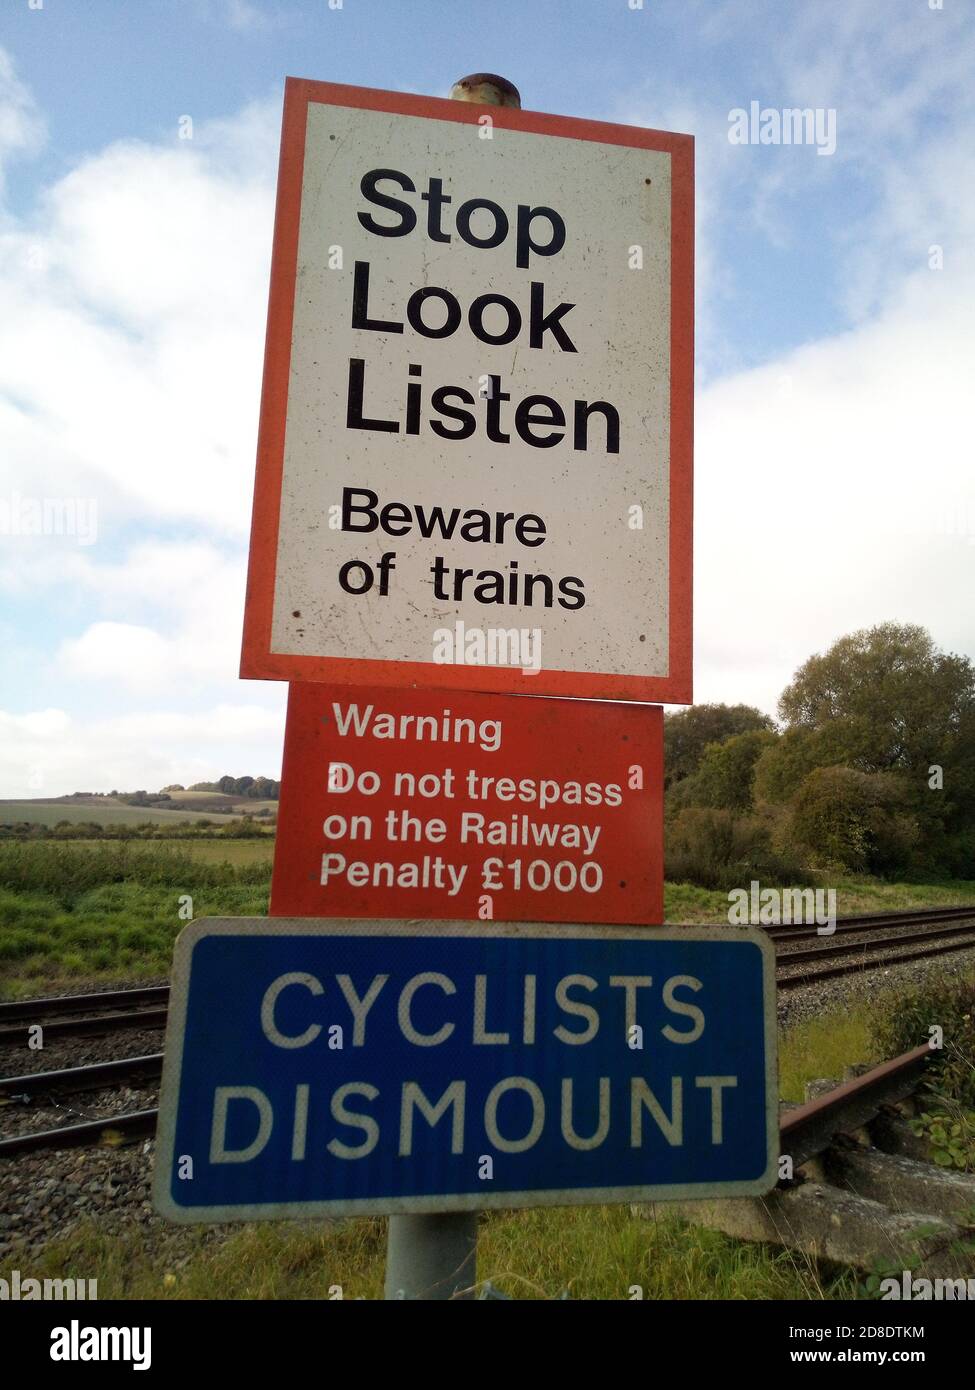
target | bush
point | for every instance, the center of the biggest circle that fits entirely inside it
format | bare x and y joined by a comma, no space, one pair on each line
688,732
718,849
854,820
956,856
780,770
901,1021
726,774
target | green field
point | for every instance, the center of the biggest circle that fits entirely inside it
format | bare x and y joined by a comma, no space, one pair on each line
223,801
50,812
218,850
89,910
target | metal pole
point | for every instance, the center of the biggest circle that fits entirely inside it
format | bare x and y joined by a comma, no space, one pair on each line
432,1257
435,1256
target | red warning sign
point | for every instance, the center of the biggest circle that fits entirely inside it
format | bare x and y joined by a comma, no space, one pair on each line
416,803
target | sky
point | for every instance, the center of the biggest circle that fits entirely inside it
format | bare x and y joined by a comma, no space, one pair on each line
834,488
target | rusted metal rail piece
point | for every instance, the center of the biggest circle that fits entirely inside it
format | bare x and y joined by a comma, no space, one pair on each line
809,1129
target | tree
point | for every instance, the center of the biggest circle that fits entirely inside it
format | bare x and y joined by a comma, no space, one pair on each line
855,820
264,789
886,699
784,765
887,694
689,731
726,774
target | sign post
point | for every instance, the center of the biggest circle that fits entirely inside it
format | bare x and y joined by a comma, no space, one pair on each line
474,484
432,1257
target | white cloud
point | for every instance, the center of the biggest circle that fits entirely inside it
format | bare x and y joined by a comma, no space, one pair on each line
834,486
21,126
131,325
164,612
119,652
244,16
834,491
48,753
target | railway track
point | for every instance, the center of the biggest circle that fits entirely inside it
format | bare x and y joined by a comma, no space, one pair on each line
941,931
74,1016
870,921
808,1130
58,1016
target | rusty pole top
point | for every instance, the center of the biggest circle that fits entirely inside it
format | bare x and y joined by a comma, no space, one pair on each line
486,89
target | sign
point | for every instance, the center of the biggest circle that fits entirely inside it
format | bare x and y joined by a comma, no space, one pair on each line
415,803
477,408
328,1068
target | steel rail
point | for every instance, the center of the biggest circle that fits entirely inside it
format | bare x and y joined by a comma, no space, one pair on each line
110,1130
846,925
849,947
13,1010
902,917
852,966
18,1034
804,1131
74,1080
808,1129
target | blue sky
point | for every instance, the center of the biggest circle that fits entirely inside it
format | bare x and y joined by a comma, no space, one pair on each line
834,464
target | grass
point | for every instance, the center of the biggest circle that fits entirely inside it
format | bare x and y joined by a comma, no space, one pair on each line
115,931
686,903
111,910
215,850
592,1252
855,896
823,1046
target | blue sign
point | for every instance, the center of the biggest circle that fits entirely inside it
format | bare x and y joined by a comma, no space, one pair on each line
319,1066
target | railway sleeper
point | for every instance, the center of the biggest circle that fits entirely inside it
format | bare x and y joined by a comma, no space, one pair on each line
899,1182
827,1222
